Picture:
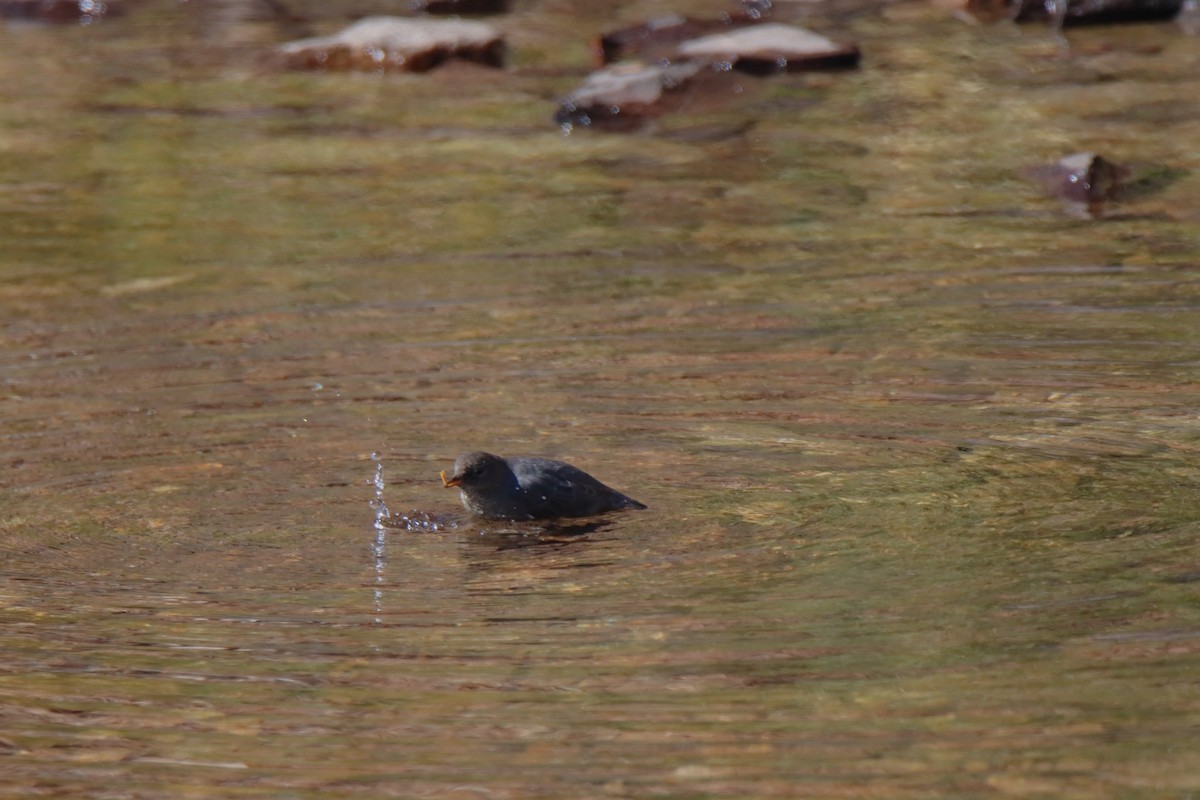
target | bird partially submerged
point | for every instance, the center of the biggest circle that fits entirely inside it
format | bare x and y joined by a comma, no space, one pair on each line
524,488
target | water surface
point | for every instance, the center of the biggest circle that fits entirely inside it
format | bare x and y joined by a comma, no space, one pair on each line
919,442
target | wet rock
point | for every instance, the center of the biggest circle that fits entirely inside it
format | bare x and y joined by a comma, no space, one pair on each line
57,10
771,47
460,6
1081,12
398,44
739,41
1085,179
659,38
623,96
1068,12
682,56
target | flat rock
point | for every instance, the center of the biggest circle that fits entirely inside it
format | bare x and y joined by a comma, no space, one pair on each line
398,44
460,6
659,38
692,59
771,47
622,96
1085,12
1068,12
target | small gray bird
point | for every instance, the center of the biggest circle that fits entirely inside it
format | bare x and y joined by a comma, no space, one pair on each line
522,488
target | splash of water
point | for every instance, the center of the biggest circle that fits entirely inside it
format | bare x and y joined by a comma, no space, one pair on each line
382,514
379,548
414,520
420,521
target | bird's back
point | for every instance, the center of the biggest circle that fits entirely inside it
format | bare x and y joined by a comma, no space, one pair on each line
557,489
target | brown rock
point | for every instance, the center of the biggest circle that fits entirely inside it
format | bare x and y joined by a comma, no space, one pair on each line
398,44
771,47
1084,12
659,38
1083,178
623,96
693,59
1068,12
460,6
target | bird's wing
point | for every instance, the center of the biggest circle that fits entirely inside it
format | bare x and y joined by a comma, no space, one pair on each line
554,488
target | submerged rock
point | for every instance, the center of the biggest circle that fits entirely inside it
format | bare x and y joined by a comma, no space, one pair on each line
398,43
623,96
771,47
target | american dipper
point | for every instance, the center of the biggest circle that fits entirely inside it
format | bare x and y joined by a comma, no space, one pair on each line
521,488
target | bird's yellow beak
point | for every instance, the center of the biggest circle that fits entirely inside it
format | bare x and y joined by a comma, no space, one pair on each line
449,482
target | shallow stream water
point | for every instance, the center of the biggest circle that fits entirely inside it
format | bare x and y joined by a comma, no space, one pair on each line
920,442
